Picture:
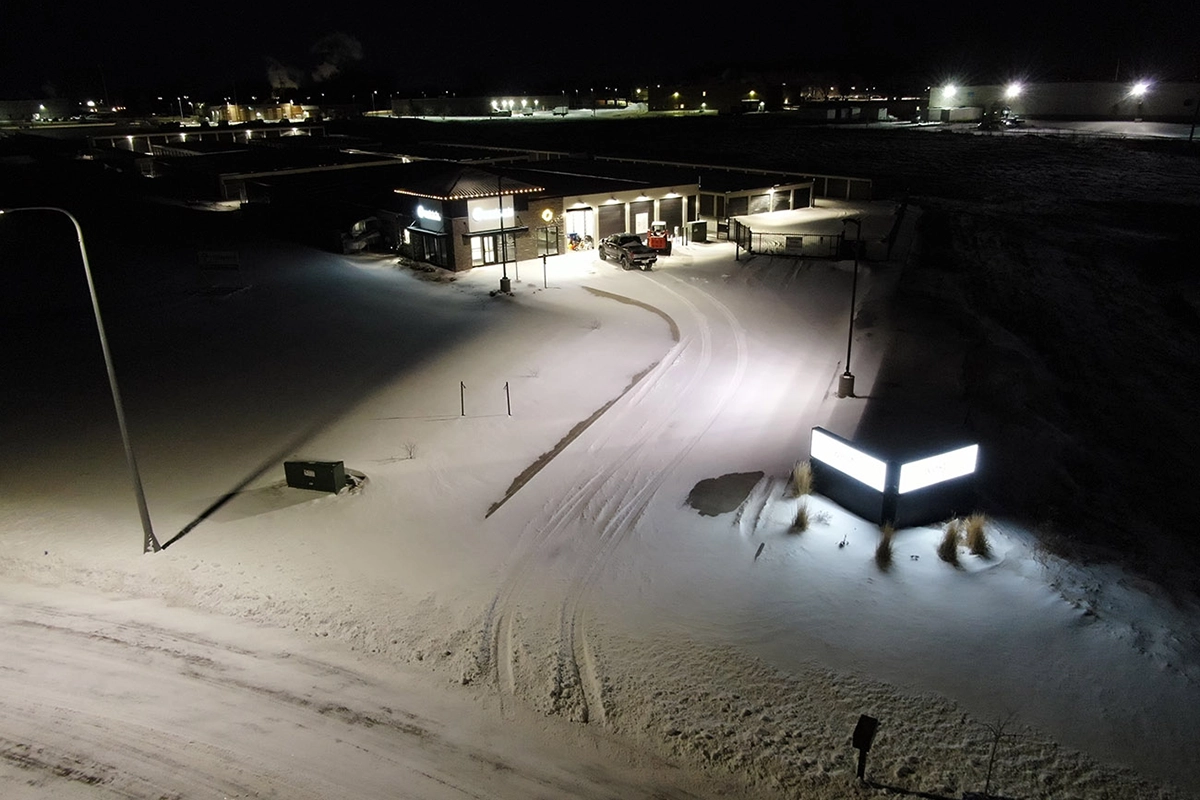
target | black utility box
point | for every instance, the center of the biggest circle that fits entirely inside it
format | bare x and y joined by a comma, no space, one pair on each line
320,476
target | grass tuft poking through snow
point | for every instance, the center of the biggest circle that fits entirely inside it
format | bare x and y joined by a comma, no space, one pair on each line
802,479
883,550
977,540
948,549
800,523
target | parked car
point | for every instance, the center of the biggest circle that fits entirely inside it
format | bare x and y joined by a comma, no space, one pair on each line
628,250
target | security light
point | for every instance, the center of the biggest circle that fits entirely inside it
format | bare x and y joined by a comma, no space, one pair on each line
1013,90
1140,88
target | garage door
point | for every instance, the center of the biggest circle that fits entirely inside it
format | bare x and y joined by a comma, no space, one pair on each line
612,220
671,211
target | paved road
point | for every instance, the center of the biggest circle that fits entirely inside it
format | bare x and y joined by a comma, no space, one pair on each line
102,698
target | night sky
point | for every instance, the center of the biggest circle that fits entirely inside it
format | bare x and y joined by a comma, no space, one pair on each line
134,50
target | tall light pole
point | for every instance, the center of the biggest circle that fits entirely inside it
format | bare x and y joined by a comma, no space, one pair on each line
505,283
149,543
846,381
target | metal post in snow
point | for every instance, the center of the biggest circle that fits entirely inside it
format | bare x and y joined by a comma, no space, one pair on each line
846,381
507,398
462,399
545,284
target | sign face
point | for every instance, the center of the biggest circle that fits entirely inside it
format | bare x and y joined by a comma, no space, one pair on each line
429,216
844,458
936,469
485,214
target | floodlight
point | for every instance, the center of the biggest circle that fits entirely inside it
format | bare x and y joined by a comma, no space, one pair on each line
1140,88
1013,90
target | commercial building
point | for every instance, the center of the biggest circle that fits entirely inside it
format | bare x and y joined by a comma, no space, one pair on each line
1145,100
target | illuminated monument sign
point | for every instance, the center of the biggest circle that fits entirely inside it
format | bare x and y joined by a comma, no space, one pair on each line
906,492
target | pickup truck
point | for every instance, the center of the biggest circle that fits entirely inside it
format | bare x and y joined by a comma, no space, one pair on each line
628,250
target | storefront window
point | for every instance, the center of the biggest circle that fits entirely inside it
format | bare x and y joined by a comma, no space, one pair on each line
483,250
486,249
547,241
428,248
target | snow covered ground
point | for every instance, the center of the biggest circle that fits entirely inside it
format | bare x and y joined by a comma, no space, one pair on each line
532,588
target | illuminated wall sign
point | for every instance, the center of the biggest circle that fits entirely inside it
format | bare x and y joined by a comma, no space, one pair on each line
429,216
547,215
936,469
844,458
484,214
490,214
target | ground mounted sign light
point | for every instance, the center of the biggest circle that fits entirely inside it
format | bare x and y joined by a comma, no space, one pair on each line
848,475
890,490
935,469
844,457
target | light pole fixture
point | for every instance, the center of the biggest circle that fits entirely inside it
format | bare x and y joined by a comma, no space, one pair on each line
1138,92
149,543
846,381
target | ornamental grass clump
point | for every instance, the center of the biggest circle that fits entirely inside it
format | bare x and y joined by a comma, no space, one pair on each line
800,523
948,549
977,541
883,550
802,479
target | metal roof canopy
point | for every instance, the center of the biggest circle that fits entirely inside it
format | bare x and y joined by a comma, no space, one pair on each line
448,181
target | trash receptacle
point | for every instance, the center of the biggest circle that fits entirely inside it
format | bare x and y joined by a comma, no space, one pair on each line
697,231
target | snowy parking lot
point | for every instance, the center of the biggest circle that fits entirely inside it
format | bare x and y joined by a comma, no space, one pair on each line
525,604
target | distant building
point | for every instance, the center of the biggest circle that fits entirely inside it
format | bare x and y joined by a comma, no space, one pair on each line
270,111
454,208
1158,102
500,105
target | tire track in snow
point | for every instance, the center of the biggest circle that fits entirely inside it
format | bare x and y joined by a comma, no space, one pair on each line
624,516
622,496
499,639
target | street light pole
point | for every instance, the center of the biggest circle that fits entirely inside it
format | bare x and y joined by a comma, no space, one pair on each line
505,283
150,542
846,381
